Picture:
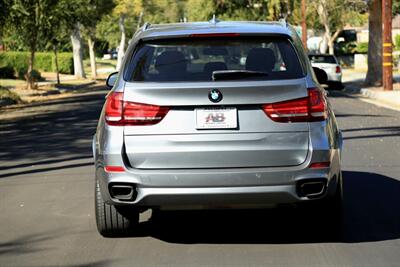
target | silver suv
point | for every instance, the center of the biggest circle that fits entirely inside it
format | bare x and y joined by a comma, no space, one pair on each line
214,115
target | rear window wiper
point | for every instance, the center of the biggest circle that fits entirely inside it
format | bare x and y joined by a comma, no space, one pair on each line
236,74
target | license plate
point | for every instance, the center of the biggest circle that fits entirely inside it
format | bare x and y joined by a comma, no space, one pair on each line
216,118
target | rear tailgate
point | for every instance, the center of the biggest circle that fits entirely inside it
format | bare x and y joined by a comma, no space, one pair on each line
177,142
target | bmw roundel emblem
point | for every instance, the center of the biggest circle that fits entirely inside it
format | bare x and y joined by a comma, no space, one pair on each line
215,95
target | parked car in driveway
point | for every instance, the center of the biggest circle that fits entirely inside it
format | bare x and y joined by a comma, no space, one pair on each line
188,124
331,66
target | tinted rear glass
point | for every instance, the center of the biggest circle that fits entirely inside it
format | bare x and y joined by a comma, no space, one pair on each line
196,59
322,59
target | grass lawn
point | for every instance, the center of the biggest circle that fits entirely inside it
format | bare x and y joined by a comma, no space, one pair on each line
104,67
11,83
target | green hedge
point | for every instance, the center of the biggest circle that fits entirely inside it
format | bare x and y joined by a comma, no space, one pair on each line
362,48
65,63
44,61
397,41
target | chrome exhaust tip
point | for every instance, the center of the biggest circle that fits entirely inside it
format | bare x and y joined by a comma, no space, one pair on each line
123,192
311,187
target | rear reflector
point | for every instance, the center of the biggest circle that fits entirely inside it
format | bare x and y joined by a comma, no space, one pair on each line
319,165
338,70
307,109
114,169
121,113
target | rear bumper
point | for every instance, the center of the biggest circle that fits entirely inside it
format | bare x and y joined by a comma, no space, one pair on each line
334,77
216,196
216,187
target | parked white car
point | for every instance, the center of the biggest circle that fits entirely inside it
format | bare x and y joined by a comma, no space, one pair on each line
331,66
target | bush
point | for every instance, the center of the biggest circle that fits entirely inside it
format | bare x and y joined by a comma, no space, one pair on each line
397,41
44,61
7,72
35,75
362,48
343,48
65,63
8,97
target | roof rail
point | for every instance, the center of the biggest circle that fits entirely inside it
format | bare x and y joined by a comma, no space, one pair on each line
146,26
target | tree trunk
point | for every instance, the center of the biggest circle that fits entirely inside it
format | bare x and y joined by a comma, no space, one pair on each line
323,45
56,61
92,58
76,40
323,17
139,20
374,73
331,42
121,49
30,83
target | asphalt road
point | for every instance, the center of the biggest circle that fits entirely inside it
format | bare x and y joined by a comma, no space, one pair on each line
47,212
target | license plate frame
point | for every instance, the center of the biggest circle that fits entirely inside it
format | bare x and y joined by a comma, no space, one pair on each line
216,118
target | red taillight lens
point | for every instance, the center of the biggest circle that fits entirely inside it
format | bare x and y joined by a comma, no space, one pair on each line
319,165
143,114
338,70
114,169
317,105
311,108
121,113
293,110
114,105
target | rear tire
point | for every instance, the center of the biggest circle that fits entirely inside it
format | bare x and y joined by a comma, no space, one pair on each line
113,221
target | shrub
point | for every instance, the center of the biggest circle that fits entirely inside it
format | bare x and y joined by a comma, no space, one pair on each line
65,63
397,41
35,75
44,61
7,72
18,60
362,48
8,97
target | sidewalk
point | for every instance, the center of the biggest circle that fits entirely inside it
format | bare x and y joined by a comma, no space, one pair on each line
375,95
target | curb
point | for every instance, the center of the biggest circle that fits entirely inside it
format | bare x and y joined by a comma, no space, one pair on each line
390,97
386,99
64,89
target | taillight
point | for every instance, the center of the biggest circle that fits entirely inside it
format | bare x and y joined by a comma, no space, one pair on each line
311,108
143,114
338,70
114,169
319,165
120,113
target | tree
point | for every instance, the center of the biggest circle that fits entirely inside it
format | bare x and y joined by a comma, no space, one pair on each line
163,11
258,10
122,9
95,10
31,20
374,73
334,15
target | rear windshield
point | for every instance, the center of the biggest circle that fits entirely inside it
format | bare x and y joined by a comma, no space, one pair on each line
322,59
196,59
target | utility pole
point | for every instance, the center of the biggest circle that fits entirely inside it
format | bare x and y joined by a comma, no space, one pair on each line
387,68
303,24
